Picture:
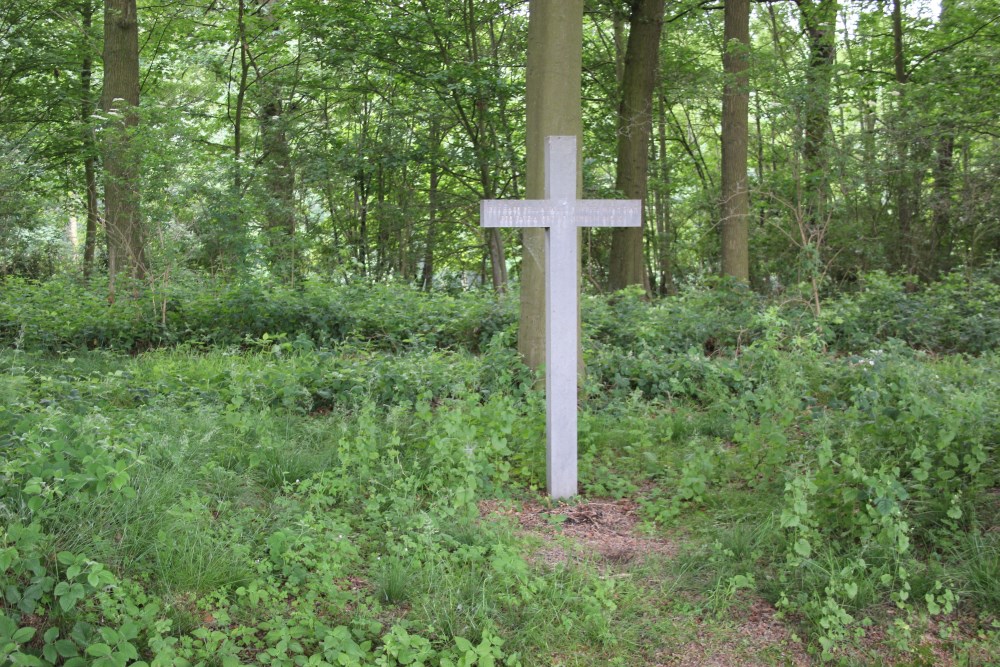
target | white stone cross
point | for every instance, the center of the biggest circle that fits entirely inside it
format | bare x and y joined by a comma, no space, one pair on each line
561,214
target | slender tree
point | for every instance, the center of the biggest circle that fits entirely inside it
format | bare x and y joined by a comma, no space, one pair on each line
662,203
902,255
89,142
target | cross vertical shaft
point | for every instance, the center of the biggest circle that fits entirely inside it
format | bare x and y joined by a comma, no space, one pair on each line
562,261
561,214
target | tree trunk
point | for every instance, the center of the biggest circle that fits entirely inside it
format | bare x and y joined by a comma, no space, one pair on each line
664,228
279,183
279,173
498,260
904,242
241,94
735,222
555,65
634,129
89,141
819,21
434,174
944,165
120,99
944,170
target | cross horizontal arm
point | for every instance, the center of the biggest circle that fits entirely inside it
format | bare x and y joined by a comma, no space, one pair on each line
548,213
608,213
520,213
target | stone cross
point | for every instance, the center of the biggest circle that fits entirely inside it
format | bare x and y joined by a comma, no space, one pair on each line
561,214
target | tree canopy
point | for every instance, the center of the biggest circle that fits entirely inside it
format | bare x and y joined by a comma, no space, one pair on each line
355,139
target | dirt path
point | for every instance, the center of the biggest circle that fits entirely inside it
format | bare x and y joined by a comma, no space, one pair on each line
605,532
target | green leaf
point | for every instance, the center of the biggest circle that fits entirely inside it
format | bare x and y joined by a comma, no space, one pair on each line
99,650
26,660
23,635
66,648
851,588
802,547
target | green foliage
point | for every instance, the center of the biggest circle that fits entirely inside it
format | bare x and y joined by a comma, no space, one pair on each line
63,314
312,498
958,314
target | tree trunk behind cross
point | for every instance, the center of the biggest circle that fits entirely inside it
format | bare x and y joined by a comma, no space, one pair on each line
555,63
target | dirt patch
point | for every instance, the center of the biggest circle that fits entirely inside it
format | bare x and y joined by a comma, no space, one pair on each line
580,531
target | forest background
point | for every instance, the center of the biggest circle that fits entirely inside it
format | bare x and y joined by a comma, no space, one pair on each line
351,140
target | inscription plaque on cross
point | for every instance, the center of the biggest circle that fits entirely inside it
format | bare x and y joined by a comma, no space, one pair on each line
561,214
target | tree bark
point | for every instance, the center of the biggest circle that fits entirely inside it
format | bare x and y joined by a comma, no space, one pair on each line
279,173
434,175
903,245
241,94
635,119
664,227
120,99
279,183
89,141
735,222
555,64
819,19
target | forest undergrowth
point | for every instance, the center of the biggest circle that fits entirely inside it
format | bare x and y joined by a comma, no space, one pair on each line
243,475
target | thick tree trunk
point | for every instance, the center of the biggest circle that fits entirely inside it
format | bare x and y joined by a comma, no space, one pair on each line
279,173
819,21
735,209
120,99
634,129
89,141
555,63
279,183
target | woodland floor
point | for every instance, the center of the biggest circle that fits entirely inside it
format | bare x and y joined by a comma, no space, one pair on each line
606,534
